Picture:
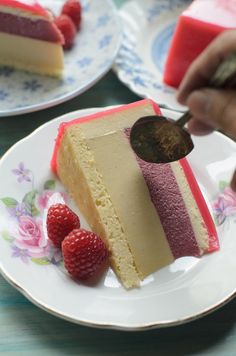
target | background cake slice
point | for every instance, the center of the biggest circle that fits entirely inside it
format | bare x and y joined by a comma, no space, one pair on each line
29,39
197,26
148,214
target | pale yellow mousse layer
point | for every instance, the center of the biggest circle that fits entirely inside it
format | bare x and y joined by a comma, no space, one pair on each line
31,55
198,226
97,166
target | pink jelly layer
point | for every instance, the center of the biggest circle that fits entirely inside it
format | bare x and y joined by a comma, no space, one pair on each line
190,39
164,193
26,5
22,26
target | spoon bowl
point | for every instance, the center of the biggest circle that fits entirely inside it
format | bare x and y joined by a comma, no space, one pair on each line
157,139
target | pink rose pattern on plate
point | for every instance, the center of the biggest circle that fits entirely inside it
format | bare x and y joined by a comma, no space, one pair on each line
224,206
27,237
30,236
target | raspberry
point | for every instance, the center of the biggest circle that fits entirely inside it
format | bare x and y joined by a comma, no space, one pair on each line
67,28
84,253
60,221
72,8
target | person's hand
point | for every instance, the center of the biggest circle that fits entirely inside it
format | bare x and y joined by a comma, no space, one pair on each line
211,109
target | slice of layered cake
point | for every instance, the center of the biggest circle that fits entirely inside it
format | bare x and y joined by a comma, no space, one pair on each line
29,39
148,214
197,26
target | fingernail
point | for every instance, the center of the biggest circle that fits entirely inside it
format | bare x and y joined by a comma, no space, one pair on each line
199,103
181,98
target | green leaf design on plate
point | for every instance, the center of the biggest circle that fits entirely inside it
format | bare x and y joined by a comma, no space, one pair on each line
222,185
50,184
40,261
9,202
29,200
5,234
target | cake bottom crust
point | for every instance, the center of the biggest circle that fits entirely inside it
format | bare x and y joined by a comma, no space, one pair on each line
31,55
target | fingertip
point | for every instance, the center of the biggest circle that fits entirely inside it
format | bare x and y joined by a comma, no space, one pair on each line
181,98
182,93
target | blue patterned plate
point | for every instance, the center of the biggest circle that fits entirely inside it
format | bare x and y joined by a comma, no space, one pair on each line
148,29
92,56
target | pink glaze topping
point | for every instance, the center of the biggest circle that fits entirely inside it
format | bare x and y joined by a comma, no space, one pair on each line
22,26
26,5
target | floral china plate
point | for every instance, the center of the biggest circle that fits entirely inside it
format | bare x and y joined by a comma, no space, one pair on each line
186,290
92,55
148,29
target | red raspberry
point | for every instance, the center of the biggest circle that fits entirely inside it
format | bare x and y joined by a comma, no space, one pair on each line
60,221
84,253
72,8
67,28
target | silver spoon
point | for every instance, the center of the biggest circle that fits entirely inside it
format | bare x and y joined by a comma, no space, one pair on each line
158,139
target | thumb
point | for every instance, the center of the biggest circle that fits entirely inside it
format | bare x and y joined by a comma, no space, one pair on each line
215,108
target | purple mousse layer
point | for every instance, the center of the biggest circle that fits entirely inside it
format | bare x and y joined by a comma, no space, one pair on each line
169,204
170,207
26,27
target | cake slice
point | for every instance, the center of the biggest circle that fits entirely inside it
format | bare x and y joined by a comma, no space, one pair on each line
197,26
29,39
148,214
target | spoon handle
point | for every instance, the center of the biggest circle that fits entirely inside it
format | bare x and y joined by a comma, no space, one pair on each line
224,76
183,119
